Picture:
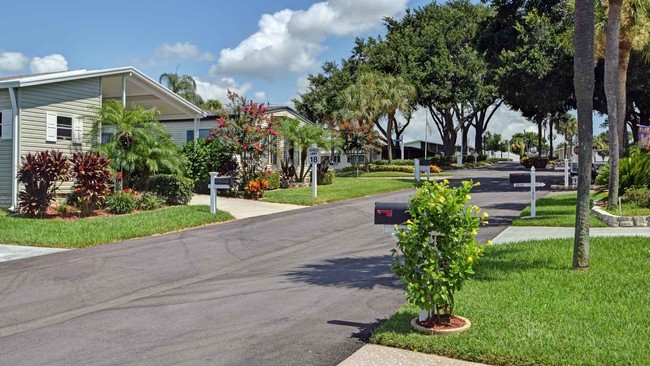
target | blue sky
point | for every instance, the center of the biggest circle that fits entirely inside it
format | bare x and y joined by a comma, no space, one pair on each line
260,48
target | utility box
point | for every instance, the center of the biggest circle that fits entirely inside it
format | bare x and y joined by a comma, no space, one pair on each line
391,213
519,178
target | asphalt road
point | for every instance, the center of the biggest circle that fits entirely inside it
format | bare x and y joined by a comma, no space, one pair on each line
297,288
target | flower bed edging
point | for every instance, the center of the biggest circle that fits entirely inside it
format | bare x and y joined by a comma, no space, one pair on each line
615,220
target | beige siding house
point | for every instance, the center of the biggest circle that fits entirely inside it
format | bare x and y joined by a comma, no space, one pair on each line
49,111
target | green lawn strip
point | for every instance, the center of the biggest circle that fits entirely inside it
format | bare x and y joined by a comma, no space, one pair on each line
559,211
630,209
101,230
353,174
528,307
341,189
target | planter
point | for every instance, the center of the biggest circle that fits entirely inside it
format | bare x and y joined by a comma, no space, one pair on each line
441,331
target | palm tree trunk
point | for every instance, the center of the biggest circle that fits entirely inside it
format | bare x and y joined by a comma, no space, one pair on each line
624,50
550,137
583,70
612,94
389,136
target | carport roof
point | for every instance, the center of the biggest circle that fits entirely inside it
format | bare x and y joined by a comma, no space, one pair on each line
140,89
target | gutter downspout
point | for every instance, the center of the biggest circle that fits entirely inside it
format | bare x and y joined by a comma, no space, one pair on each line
15,152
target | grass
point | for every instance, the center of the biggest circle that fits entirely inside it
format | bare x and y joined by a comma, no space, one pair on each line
527,307
341,189
630,209
558,211
94,231
353,174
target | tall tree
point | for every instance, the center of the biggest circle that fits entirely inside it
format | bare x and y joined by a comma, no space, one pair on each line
567,124
612,93
183,85
584,90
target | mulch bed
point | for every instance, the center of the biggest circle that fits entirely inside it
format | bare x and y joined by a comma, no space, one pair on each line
443,322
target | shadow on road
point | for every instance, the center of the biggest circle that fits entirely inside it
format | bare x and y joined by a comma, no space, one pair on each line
365,329
363,273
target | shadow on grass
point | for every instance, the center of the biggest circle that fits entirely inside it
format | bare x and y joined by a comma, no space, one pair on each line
364,329
363,273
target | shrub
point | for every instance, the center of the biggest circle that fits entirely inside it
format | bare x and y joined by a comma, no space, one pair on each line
327,178
92,180
382,168
537,162
274,180
174,189
205,156
255,188
121,202
41,174
409,162
633,171
149,201
639,195
434,268
435,169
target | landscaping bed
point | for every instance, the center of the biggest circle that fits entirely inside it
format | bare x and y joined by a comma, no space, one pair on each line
528,307
91,231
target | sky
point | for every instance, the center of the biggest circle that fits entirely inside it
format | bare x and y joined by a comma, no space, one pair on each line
259,48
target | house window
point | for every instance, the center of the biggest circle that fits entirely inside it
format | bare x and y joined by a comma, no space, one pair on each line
63,128
106,137
203,133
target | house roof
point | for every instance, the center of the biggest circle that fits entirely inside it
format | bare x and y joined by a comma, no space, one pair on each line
145,91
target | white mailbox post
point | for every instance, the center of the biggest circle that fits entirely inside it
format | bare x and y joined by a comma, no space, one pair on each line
314,160
422,165
533,194
215,184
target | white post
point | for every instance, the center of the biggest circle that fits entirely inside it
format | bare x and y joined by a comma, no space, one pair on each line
213,193
314,183
533,197
566,172
417,169
124,92
402,146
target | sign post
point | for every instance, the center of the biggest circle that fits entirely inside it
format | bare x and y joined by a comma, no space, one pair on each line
533,196
213,193
314,160
566,172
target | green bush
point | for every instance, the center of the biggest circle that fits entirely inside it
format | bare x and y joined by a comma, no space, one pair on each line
327,178
633,171
149,201
208,155
382,168
434,269
121,202
395,162
174,189
274,180
537,162
640,195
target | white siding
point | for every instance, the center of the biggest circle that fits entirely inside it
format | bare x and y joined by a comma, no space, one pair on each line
5,155
178,130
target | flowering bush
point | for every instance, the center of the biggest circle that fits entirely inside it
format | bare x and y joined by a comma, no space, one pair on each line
434,169
436,251
247,130
256,187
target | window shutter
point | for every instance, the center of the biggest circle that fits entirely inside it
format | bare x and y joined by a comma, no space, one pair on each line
7,125
77,130
50,132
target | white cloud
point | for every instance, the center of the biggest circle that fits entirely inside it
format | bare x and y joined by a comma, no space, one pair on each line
289,40
50,63
182,51
12,61
260,96
219,90
302,84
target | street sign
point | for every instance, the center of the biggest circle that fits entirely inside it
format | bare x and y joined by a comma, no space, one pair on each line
519,185
314,155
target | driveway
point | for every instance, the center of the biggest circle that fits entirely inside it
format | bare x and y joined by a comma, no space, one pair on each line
302,287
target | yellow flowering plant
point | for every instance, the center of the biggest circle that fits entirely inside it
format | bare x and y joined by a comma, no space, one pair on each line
438,247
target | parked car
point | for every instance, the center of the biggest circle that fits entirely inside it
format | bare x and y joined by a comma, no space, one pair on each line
573,170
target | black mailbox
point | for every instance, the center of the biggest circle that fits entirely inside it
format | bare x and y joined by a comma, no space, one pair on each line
391,213
519,178
223,182
424,162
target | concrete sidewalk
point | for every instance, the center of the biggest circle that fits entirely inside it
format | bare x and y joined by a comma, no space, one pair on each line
374,355
12,252
514,234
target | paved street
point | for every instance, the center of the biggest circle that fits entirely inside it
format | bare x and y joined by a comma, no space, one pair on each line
301,287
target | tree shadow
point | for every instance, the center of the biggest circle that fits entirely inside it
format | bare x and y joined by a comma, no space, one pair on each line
363,273
364,329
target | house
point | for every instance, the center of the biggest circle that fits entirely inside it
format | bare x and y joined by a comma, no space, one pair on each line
48,111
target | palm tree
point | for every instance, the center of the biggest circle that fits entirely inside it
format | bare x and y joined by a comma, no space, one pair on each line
183,85
394,94
583,70
140,144
568,126
211,105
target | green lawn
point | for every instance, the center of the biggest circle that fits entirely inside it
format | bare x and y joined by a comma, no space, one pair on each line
353,174
630,209
101,230
527,307
341,189
557,210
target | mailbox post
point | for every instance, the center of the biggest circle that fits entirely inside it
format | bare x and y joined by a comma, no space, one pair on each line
422,165
518,180
215,184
